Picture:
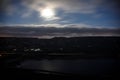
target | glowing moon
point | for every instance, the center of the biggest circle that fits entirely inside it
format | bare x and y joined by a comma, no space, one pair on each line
47,13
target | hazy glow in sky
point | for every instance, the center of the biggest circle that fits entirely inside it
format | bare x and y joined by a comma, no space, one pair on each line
48,13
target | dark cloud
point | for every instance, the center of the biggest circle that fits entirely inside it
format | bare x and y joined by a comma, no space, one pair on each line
56,32
6,6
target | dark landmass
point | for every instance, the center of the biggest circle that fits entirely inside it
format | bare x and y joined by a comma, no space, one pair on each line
15,50
78,45
60,47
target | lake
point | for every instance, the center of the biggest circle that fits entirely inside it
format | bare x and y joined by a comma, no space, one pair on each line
75,66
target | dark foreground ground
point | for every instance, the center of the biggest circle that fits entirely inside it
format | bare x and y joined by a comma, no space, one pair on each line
30,70
22,74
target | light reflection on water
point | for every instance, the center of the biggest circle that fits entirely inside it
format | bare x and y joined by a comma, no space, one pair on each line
82,66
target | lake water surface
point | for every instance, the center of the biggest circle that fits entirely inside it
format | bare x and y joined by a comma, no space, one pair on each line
79,66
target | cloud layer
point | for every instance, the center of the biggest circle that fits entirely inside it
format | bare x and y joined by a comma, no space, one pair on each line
49,32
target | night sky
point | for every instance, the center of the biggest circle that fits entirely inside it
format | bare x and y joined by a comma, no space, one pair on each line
61,18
